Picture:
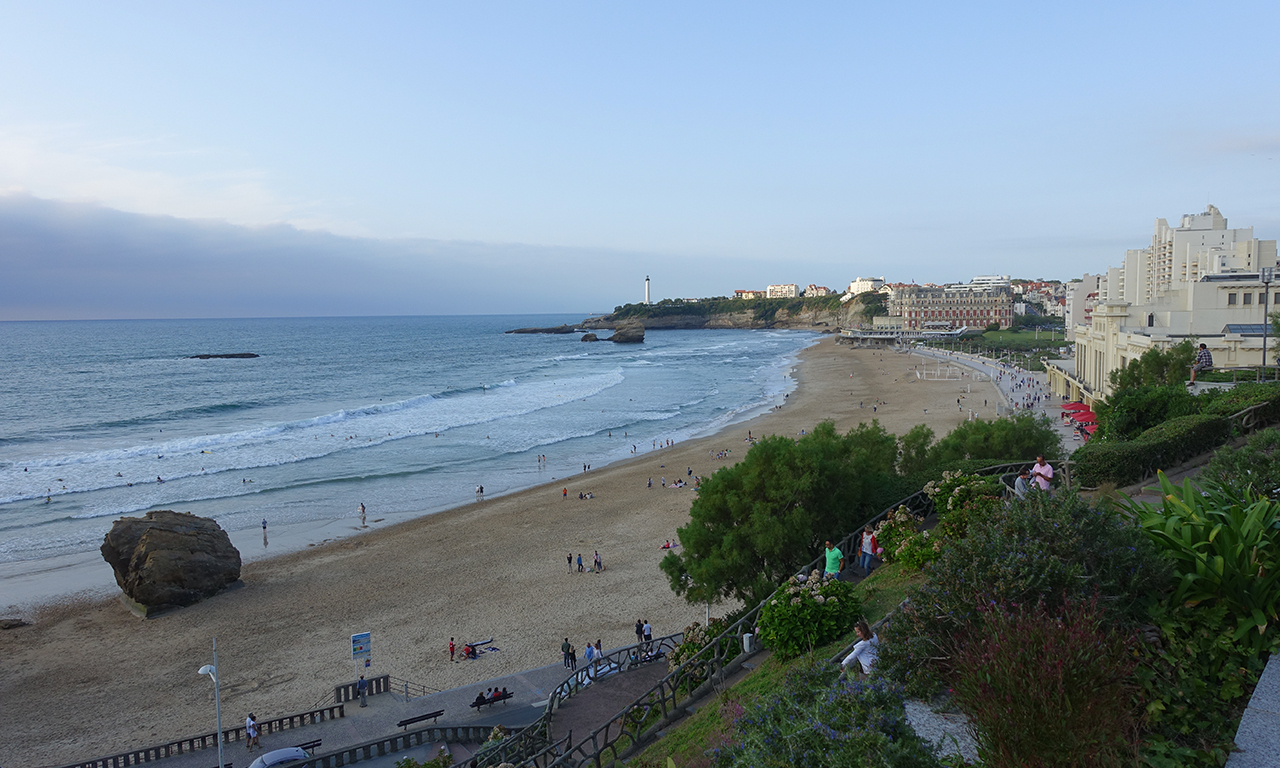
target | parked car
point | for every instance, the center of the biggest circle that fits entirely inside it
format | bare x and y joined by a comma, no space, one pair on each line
279,757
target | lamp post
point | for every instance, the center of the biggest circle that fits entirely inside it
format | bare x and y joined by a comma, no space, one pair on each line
212,671
1266,273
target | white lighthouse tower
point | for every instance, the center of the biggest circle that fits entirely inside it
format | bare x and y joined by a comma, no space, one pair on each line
646,290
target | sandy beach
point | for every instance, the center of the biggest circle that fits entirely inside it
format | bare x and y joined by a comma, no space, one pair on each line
88,678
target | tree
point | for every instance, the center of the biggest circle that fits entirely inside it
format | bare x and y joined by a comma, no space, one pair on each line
913,449
1021,436
753,524
1156,366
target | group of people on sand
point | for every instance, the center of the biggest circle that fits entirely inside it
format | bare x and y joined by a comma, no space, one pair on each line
669,544
597,565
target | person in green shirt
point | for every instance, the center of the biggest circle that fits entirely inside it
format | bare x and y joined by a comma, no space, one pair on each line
835,561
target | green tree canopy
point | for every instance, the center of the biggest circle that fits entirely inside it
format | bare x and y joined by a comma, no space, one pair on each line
754,523
1022,436
1156,366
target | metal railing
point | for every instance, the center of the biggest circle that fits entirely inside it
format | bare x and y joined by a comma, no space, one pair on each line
664,703
536,737
210,740
411,689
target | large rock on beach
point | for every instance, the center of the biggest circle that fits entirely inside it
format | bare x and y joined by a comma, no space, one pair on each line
590,337
629,332
168,560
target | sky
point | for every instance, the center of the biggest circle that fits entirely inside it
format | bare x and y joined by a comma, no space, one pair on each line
282,159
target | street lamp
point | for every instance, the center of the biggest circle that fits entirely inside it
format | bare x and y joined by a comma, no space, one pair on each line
212,671
1266,274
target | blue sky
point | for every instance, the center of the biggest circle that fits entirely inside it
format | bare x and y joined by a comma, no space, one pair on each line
549,155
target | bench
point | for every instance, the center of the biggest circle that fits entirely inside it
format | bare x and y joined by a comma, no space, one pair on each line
411,720
478,704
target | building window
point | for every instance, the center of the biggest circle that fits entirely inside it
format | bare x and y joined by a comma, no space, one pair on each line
1231,299
1248,299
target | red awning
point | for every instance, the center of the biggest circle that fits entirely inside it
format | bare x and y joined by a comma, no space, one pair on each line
1090,428
1090,419
1075,407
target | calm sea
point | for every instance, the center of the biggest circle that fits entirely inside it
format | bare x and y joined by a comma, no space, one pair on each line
404,414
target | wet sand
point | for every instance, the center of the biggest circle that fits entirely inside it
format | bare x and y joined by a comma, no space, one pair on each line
88,678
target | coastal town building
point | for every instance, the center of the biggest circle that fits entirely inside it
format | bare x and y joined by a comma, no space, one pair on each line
747,294
865,285
817,290
947,307
783,291
1082,296
1199,281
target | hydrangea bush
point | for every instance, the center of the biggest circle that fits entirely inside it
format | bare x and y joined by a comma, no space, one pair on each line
803,615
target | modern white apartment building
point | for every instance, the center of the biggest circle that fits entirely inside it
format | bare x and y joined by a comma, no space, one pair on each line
1199,280
1082,296
786,291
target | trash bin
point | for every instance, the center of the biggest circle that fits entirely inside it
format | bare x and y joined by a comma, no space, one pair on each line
748,643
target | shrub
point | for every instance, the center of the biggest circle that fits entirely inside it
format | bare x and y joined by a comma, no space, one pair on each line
696,637
1170,443
1255,465
955,489
1046,690
1194,683
1242,396
803,615
1130,412
896,527
1225,546
816,721
919,550
1045,548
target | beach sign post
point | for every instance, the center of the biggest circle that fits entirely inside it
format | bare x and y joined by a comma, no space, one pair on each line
362,649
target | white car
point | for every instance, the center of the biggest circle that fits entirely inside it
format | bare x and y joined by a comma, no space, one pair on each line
279,757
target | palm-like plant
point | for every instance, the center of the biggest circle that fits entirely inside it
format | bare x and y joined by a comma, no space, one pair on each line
1225,544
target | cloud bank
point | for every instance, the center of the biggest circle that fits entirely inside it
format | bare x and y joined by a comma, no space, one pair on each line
65,260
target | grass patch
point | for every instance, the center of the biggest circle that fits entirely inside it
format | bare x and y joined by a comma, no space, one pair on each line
885,589
686,742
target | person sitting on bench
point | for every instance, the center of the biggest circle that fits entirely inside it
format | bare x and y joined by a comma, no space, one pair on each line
480,699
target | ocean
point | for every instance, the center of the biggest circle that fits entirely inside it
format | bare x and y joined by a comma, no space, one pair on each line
406,415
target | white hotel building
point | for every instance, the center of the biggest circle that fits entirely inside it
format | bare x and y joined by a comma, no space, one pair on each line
1198,280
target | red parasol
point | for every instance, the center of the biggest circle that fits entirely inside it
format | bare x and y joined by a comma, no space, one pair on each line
1075,407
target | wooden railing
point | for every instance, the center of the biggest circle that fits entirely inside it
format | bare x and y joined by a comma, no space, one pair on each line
209,740
399,742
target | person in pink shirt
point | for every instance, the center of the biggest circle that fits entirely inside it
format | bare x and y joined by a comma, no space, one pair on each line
1042,473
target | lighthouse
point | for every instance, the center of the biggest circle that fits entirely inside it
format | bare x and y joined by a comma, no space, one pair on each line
646,290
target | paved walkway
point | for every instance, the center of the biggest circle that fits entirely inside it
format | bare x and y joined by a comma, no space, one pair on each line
597,704
532,688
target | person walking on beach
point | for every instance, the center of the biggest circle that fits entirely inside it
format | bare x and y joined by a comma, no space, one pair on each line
251,732
362,513
648,631
569,559
573,657
580,568
451,649
362,686
639,631
564,652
